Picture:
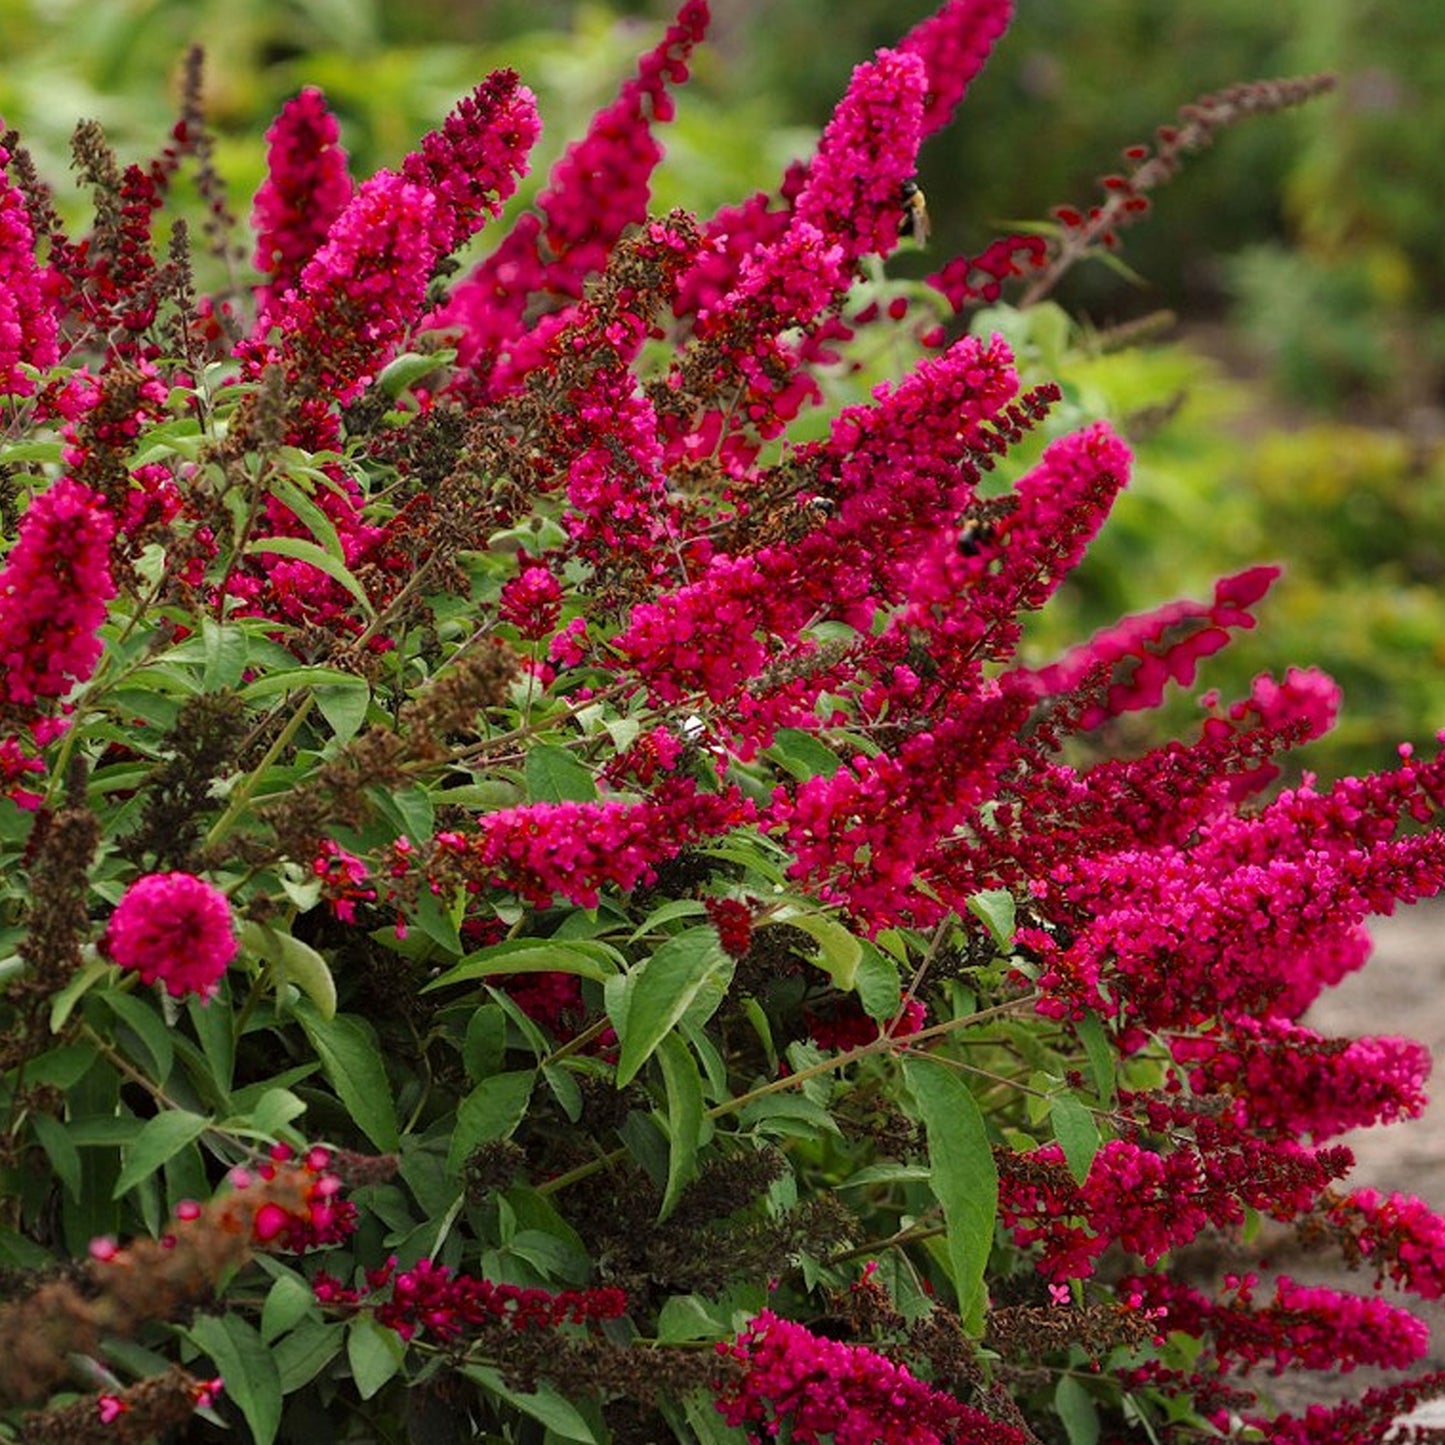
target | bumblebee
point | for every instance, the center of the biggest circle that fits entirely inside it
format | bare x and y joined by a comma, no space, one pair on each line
974,535
979,527
914,220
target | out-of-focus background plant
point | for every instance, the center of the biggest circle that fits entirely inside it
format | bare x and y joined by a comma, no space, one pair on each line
1303,267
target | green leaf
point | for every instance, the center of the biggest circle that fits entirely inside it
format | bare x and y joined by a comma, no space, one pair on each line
63,1002
226,647
414,808
840,952
60,1149
787,1116
252,1378
802,755
288,1302
1077,1411
1100,1054
402,371
485,1042
885,1174
212,1024
140,1017
555,776
491,1111
306,1351
544,1405
757,1016
879,989
61,1067
20,1253
994,908
657,994
344,705
274,1110
160,1138
183,1176
708,1424
529,955
1077,1133
439,922
353,1066
33,452
375,1354
964,1176
666,912
303,551
565,1089
291,680
309,513
683,1084
686,1317
294,962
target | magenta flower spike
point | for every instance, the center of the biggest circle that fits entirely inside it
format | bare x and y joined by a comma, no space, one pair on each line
28,327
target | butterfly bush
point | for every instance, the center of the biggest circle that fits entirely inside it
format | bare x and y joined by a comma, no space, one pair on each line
506,690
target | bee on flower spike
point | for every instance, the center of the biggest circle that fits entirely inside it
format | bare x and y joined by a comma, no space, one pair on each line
914,220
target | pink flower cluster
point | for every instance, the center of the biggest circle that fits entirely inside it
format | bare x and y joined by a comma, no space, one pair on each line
295,1206
1305,1327
1367,1421
1289,1080
472,164
27,320
53,590
343,878
357,293
429,1299
596,190
1151,1202
174,929
1160,647
307,187
1399,1234
953,44
820,1389
576,849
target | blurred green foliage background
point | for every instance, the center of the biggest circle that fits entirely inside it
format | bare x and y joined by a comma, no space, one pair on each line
1298,416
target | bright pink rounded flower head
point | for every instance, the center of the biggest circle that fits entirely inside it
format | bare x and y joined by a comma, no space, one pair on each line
175,928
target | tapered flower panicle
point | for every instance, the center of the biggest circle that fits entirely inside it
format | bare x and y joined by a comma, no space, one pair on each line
357,295
53,590
1302,1327
576,849
818,1388
1286,1079
890,472
598,188
848,207
472,164
27,320
1141,655
868,150
284,1204
365,286
307,187
953,44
